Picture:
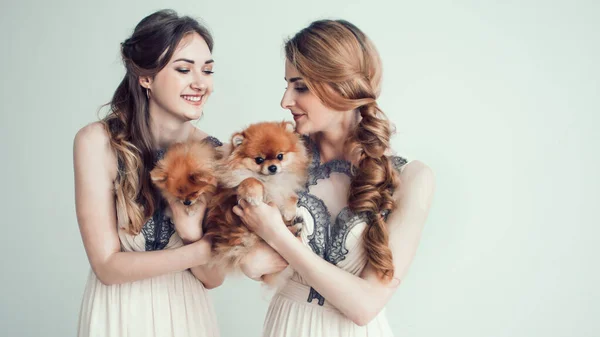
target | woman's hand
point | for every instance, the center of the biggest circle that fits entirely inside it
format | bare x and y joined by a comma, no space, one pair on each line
262,260
263,219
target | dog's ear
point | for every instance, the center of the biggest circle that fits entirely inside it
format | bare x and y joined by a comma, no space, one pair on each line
202,177
289,126
159,176
237,139
195,178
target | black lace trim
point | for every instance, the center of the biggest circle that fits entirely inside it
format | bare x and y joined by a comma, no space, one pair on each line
159,154
327,240
214,141
158,230
315,294
344,223
398,162
318,211
317,171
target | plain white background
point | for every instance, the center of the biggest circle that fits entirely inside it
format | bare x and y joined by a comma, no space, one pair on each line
501,99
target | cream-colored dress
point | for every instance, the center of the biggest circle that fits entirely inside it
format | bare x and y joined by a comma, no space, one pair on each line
334,233
170,305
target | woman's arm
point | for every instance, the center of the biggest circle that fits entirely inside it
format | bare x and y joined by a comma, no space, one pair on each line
358,298
95,167
210,277
189,228
262,260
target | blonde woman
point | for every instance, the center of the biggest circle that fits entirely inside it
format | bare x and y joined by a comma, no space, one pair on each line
363,208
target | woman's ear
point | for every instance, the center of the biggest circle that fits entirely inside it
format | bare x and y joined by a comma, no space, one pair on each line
145,81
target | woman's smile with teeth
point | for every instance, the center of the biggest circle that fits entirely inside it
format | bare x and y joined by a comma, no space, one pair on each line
192,98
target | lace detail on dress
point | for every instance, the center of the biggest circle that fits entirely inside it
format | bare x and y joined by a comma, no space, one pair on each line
329,240
318,211
317,171
324,171
317,240
398,162
158,230
159,154
315,294
214,141
344,223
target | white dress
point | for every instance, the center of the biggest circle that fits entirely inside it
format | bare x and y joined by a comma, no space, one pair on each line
170,305
334,233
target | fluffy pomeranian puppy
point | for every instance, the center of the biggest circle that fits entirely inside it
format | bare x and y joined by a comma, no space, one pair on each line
186,173
268,163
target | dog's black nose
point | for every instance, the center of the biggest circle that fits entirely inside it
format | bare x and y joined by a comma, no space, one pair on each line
272,168
187,202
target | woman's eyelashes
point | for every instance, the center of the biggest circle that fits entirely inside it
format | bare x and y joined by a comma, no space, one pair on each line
185,71
298,87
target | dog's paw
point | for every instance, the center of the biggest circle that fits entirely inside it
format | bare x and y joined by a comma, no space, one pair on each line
254,201
289,209
296,229
252,191
288,214
295,225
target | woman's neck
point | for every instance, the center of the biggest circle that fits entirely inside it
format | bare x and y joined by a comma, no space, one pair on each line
168,129
332,142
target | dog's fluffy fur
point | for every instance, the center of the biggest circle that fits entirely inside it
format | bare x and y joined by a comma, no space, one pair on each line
186,172
268,163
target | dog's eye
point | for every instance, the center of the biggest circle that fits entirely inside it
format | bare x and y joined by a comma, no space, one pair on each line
259,160
280,156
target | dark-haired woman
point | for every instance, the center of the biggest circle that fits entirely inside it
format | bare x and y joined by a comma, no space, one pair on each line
148,275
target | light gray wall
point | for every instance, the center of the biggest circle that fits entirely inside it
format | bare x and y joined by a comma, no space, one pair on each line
501,99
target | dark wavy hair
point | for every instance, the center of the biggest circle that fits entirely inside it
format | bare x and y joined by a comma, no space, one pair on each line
145,53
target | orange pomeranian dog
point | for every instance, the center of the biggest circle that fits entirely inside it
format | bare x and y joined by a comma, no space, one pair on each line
186,173
268,163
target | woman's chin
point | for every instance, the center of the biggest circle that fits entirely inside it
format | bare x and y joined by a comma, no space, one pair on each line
193,116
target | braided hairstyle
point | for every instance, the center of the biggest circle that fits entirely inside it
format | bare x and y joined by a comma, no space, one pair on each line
341,66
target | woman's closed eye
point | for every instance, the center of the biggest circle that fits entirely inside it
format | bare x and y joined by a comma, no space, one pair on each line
185,71
301,89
